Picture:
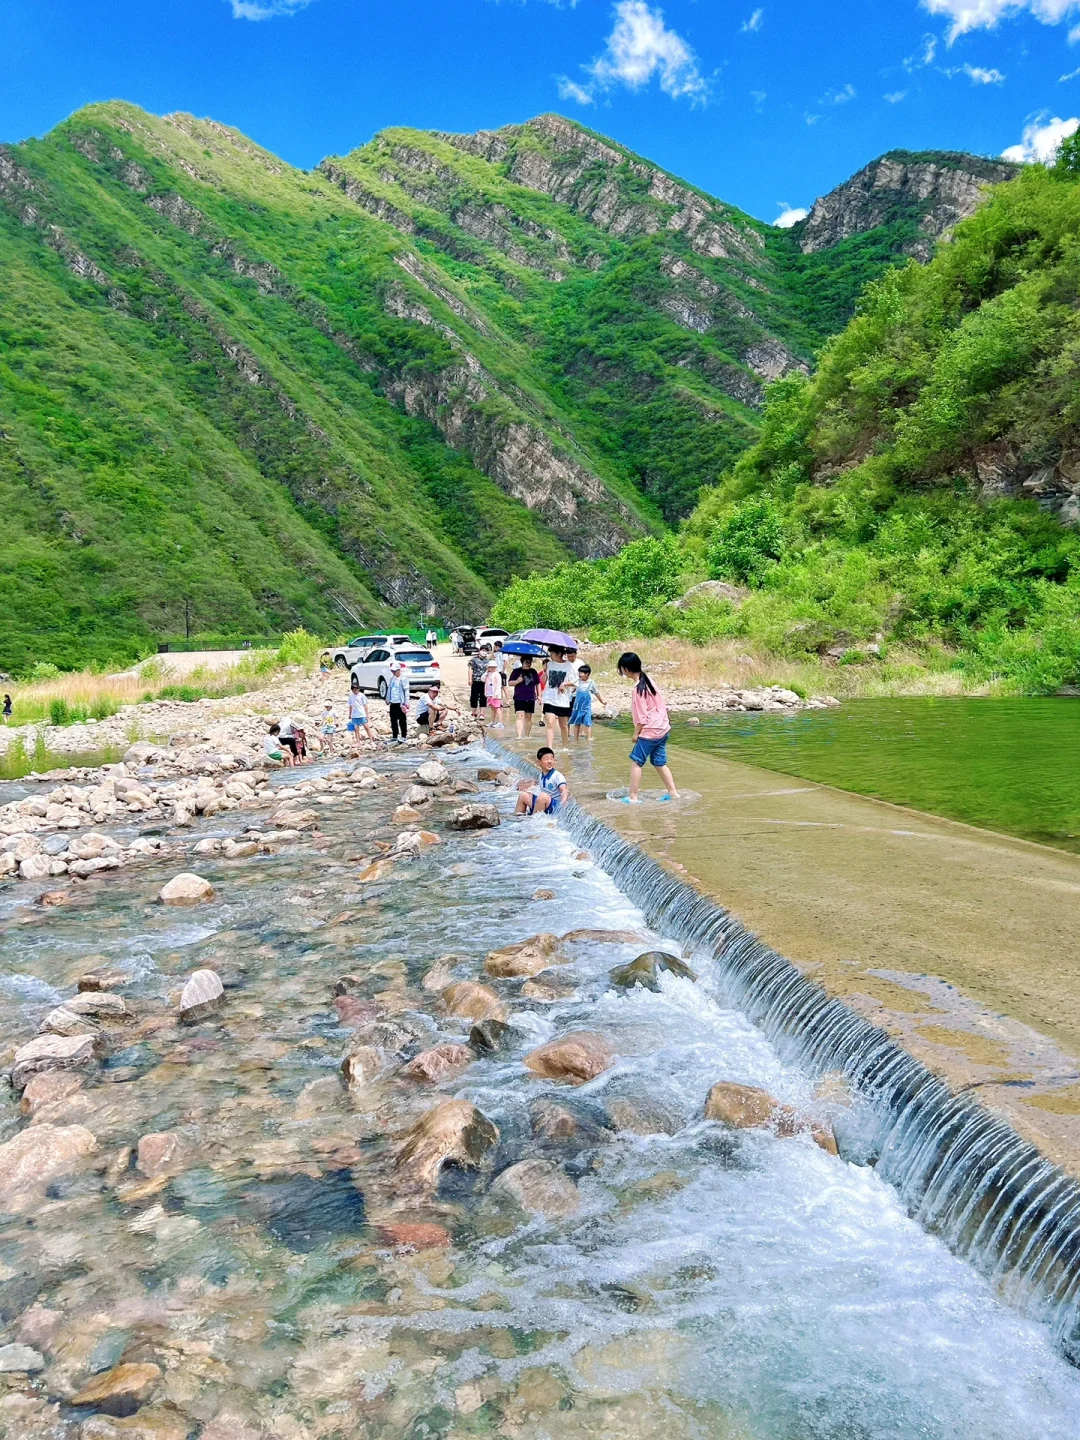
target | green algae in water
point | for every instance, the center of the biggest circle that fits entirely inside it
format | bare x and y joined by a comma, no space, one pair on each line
1007,765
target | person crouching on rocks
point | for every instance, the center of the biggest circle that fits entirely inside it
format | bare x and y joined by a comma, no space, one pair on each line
430,710
274,748
548,794
651,729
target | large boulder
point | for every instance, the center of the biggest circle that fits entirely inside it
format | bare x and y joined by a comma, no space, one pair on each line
50,1052
186,889
707,590
645,970
438,1063
474,817
455,1132
34,1157
575,1058
470,1001
526,958
747,1107
202,993
539,1188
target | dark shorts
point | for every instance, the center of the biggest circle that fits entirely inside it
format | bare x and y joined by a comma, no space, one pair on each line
563,710
290,741
525,707
477,698
646,751
425,719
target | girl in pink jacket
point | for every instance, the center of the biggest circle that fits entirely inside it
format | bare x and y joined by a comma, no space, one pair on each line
651,729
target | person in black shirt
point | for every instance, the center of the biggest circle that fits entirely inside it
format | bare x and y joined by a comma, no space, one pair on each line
526,682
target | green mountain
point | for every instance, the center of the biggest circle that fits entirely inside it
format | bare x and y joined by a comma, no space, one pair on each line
236,396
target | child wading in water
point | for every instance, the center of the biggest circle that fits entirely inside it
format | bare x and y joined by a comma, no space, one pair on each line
581,714
357,715
493,689
549,794
651,729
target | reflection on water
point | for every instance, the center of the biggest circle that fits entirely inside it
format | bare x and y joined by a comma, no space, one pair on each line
1007,765
707,1286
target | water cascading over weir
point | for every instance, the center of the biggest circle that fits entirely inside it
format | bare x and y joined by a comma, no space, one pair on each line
963,1173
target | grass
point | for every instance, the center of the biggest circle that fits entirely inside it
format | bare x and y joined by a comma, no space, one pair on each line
681,664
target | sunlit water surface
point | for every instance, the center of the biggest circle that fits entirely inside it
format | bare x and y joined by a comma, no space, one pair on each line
710,1285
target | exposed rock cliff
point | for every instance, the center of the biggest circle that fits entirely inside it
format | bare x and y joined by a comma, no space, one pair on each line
936,188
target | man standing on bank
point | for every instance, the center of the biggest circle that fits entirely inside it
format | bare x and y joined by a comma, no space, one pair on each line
397,696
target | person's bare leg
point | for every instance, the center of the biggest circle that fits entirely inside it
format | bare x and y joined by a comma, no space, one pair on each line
564,728
519,724
551,726
635,781
528,725
669,781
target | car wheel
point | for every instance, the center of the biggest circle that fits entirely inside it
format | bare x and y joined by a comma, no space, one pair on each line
341,662
383,688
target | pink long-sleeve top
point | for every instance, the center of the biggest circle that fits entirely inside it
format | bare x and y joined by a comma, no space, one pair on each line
650,713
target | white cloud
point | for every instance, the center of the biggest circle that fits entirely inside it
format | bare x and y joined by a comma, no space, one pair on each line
1074,35
1041,139
571,90
980,76
895,97
811,119
841,97
759,97
789,215
266,9
1070,76
987,14
757,19
640,47
918,62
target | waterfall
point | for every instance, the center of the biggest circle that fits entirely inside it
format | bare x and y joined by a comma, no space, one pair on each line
963,1173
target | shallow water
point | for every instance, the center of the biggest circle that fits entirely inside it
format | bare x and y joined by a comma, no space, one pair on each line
1007,765
710,1286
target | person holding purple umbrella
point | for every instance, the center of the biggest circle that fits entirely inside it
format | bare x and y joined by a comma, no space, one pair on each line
559,693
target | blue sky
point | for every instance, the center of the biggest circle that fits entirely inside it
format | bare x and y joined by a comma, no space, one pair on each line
767,103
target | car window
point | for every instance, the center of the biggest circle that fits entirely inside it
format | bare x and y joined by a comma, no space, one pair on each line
414,657
377,655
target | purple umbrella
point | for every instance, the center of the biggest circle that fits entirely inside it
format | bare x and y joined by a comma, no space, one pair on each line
558,638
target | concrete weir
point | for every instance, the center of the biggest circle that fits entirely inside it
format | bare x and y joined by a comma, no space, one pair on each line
965,1171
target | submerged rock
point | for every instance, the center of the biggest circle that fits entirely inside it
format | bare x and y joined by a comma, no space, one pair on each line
441,973
439,1063
526,958
104,977
32,1158
471,1001
575,1058
48,1088
475,817
539,1188
160,1154
746,1107
361,1065
203,993
415,1235
560,1125
186,889
120,1391
643,971
455,1132
490,1036
20,1359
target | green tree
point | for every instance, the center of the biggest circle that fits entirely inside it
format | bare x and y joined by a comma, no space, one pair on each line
747,544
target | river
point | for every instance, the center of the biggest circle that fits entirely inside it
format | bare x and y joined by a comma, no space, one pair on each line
728,1287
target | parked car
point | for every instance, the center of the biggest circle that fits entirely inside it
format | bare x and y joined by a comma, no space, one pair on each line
419,668
489,634
356,649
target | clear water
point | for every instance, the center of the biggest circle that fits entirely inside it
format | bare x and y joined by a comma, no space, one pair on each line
1008,765
709,1286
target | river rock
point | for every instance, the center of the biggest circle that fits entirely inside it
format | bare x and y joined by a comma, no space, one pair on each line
414,1235
50,1052
527,958
453,1132
39,1154
83,868
642,1117
549,986
231,1427
48,1088
575,1058
160,1153
539,1188
100,1004
361,1065
432,772
470,1001
559,1125
104,977
416,795
120,1391
643,970
746,1107
239,849
441,974
20,1359
490,1036
35,867
186,889
202,994
475,817
405,815
603,937
63,1021
438,1063
544,894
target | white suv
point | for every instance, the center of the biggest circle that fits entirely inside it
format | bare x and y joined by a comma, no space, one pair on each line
419,668
356,649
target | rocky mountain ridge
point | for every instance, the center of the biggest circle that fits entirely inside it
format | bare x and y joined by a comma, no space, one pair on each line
261,396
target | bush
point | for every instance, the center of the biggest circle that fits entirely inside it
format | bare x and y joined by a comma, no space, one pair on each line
746,545
59,714
299,648
44,670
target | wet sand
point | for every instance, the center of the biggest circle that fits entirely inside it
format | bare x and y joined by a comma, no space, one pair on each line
962,943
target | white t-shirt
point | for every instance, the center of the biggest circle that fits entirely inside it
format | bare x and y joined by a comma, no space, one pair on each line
272,745
357,706
564,673
552,781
